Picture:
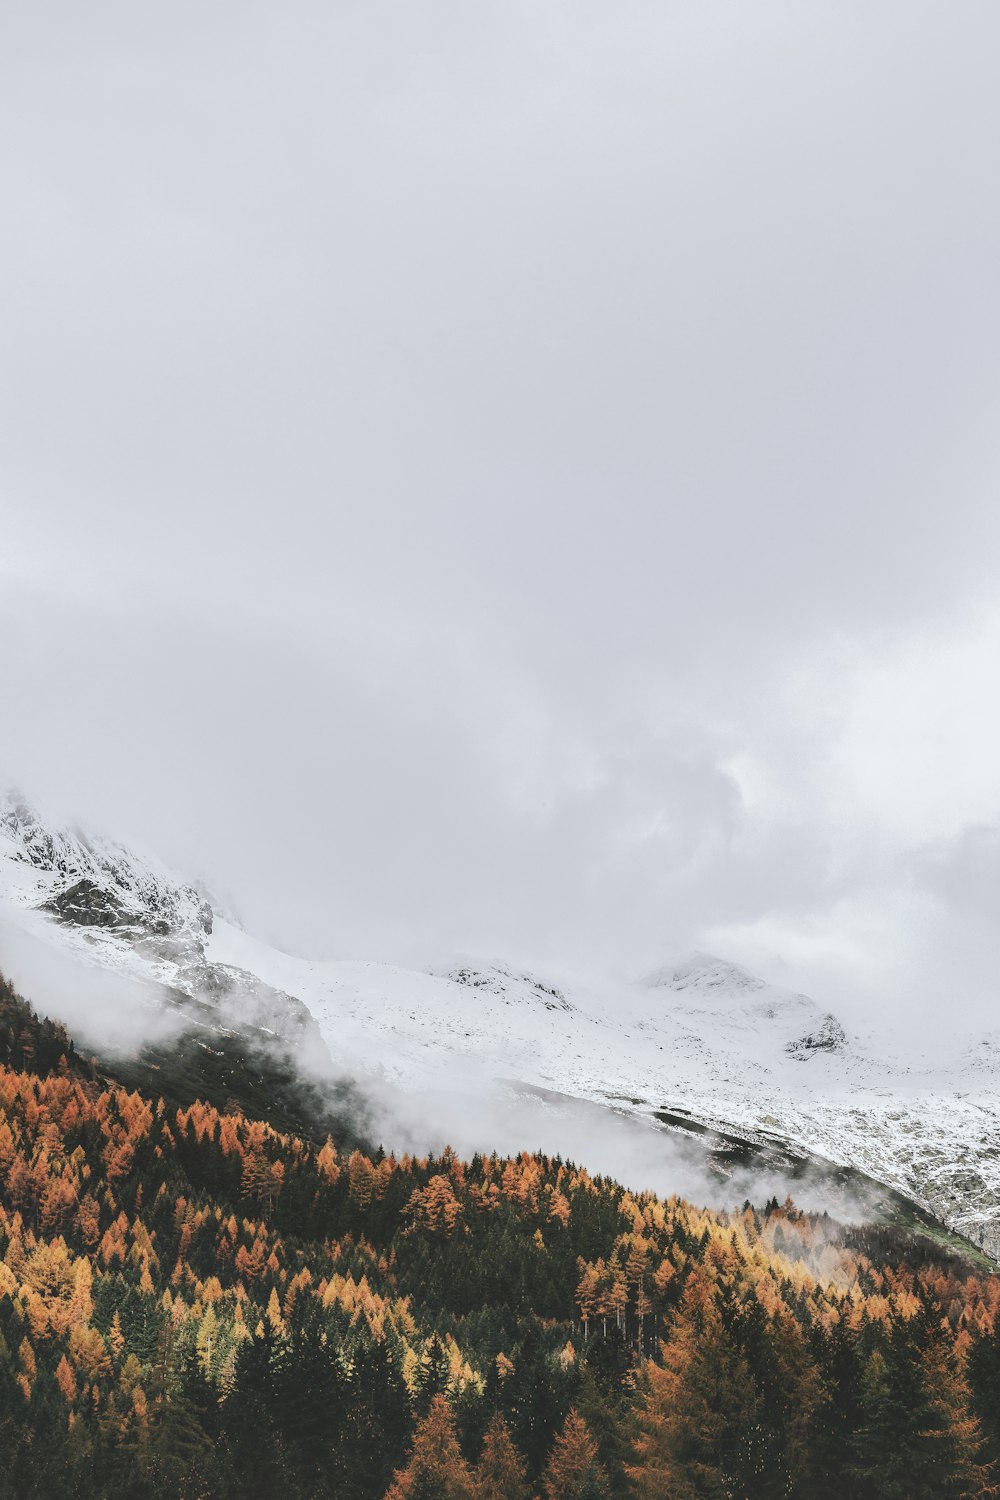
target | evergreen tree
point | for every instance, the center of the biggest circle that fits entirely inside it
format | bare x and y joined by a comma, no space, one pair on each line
432,1375
919,1439
837,1416
983,1367
377,1422
535,1399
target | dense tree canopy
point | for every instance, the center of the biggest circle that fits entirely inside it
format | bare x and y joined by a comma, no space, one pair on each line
195,1303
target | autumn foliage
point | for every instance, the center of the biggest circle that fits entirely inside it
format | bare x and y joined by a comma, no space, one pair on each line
193,1303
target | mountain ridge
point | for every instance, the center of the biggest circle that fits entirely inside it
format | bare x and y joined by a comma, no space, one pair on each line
719,1043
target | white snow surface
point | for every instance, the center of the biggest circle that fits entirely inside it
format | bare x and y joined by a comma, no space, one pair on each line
699,1036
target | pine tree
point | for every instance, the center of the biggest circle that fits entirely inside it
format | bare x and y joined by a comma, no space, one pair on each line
605,1398
952,1436
919,1439
837,1416
574,1471
377,1421
431,1376
983,1367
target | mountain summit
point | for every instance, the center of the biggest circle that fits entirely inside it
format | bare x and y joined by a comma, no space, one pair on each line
705,974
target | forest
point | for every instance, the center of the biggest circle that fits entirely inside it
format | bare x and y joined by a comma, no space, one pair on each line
195,1303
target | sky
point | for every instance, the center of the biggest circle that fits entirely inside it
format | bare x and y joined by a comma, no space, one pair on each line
518,478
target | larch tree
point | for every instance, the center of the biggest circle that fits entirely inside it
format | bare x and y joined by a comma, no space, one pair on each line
501,1473
574,1471
436,1469
699,1420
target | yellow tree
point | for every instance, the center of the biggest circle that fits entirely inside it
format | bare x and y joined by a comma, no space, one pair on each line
436,1207
362,1179
587,1293
574,1471
699,1417
501,1473
66,1380
88,1352
436,1469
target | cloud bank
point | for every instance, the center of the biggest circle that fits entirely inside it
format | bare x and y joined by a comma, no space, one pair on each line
520,479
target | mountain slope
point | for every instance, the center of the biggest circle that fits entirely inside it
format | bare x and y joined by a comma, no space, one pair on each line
699,1043
194,1303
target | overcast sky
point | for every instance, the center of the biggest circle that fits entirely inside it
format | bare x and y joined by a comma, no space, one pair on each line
518,478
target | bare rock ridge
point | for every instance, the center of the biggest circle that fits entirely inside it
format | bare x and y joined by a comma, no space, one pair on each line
116,903
829,1036
495,979
98,882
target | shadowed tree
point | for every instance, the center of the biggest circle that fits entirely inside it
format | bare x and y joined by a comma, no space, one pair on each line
502,1474
574,1471
700,1412
436,1469
919,1439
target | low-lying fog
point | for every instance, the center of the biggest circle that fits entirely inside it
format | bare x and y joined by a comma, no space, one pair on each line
115,1015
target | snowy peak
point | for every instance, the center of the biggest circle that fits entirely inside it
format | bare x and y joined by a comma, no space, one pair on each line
704,975
89,881
746,1005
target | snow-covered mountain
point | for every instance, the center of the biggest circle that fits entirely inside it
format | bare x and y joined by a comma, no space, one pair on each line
698,1043
92,899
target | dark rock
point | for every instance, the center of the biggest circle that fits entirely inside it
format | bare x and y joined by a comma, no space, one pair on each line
829,1036
87,904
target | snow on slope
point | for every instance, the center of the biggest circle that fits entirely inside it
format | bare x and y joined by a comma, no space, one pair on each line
93,880
700,1038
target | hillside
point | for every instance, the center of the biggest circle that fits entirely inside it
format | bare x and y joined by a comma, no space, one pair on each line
195,1303
699,1048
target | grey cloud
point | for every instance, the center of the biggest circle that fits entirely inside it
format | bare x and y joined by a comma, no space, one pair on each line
964,871
430,439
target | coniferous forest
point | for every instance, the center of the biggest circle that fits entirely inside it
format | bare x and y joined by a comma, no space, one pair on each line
194,1303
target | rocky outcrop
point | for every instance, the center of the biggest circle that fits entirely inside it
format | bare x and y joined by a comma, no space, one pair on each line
829,1036
94,882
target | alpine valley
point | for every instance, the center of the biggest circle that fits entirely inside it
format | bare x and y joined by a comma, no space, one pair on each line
700,1070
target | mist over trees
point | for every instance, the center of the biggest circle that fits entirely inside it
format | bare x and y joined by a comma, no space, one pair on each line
194,1302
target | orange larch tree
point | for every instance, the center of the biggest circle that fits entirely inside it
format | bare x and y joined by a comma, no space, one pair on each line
436,1469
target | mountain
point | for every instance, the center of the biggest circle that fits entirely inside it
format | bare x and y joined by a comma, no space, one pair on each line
701,1049
193,1303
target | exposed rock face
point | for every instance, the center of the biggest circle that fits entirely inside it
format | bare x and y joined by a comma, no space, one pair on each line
92,882
987,1237
830,1036
494,980
238,994
88,905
